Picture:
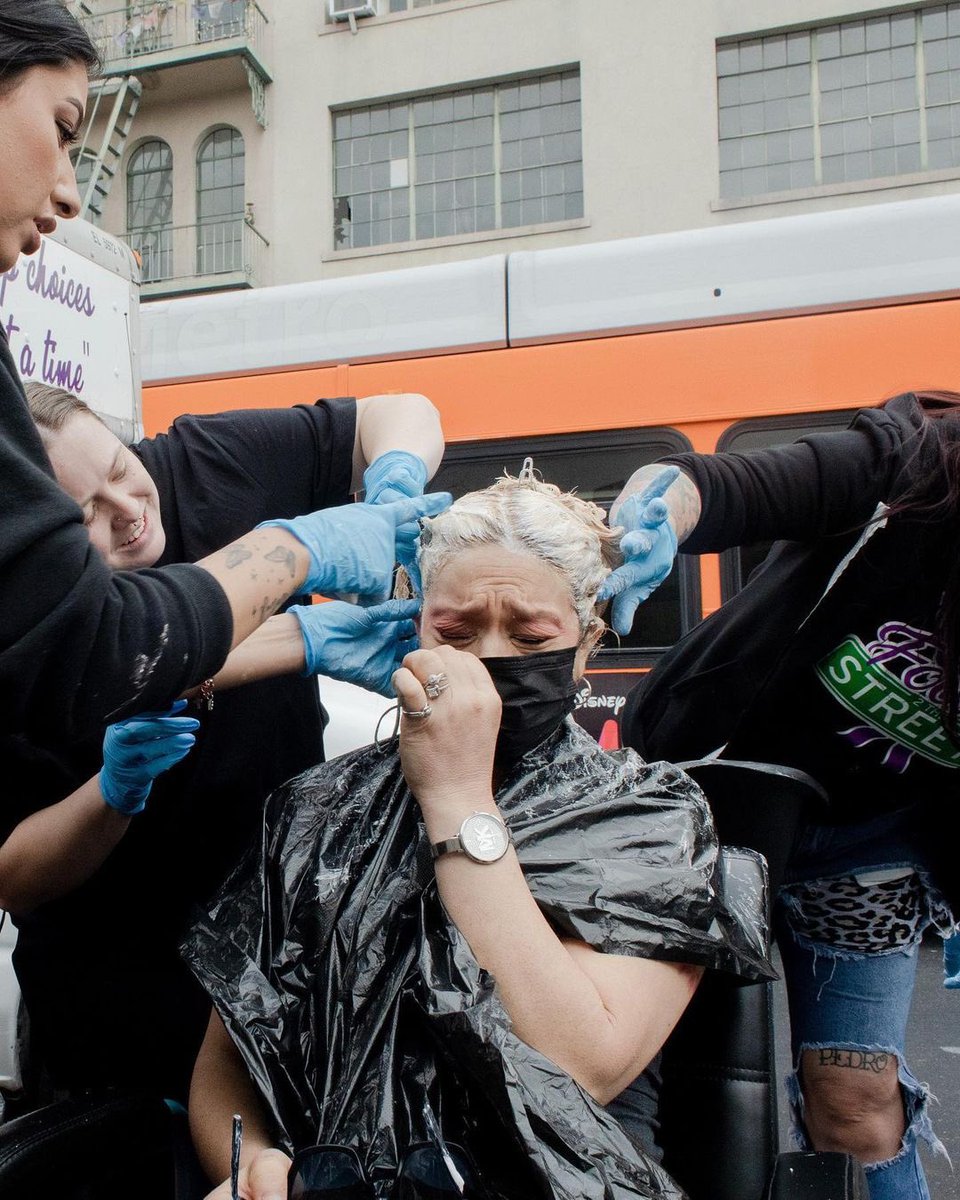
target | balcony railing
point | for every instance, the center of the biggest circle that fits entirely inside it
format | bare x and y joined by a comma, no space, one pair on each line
161,33
207,256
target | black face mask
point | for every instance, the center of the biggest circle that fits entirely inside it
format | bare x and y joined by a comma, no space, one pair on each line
537,691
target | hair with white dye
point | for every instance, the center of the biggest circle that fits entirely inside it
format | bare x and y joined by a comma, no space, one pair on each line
528,516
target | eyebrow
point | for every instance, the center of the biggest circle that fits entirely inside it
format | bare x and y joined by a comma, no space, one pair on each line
78,106
529,615
113,468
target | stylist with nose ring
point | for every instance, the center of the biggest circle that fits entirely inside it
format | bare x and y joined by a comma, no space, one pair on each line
79,644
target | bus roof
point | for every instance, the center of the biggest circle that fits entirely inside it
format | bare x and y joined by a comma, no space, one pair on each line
869,255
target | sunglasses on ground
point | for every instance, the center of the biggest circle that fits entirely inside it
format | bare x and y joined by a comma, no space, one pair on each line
428,1172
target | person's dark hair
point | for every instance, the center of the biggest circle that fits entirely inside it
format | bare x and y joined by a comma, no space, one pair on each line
942,408
51,407
41,33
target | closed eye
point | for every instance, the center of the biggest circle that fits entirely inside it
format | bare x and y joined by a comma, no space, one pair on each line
453,635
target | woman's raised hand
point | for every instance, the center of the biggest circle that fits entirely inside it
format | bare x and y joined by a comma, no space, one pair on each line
449,727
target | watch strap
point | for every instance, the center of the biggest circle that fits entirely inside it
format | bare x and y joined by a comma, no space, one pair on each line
448,846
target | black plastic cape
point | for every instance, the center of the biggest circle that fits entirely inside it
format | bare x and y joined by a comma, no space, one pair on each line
353,998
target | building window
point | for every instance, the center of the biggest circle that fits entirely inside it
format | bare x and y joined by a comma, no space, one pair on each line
150,208
460,162
220,208
856,100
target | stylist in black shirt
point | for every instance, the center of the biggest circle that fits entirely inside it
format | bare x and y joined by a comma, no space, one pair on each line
80,645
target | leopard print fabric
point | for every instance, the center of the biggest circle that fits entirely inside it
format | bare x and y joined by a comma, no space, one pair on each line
865,918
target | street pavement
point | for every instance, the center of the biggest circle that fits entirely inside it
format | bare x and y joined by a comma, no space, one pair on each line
933,1054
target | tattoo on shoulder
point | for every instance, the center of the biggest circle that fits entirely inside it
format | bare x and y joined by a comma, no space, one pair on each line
237,554
280,554
854,1060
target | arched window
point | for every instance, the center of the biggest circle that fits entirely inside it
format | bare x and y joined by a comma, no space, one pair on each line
150,208
220,202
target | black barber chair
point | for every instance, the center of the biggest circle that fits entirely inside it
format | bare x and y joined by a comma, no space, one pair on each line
110,1147
718,1111
718,1107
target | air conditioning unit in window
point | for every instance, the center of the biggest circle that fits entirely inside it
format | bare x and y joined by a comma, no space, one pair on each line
349,10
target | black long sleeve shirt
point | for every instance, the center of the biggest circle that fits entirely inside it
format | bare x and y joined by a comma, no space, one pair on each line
826,660
81,645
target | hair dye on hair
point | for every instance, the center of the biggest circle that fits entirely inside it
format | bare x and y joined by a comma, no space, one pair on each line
528,516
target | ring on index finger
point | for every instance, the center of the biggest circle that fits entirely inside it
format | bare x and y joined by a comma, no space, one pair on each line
435,684
418,713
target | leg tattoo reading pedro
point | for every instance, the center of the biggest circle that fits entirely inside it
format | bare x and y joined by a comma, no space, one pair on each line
855,1060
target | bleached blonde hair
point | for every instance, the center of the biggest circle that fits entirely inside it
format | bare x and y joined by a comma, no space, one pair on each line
528,516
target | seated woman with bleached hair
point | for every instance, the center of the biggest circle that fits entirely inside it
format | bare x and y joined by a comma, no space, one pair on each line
454,949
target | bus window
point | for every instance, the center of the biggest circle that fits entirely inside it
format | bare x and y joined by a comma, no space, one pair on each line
737,565
596,465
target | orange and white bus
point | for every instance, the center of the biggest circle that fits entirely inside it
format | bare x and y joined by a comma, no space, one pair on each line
600,358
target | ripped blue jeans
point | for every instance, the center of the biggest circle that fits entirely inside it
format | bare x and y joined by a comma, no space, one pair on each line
849,922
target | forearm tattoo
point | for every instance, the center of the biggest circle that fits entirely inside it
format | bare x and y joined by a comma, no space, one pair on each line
684,505
682,498
280,554
271,567
855,1060
237,554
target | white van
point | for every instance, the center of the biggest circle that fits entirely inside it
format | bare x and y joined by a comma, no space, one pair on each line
72,318
71,315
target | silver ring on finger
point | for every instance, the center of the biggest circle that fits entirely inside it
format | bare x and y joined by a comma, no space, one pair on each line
418,713
435,684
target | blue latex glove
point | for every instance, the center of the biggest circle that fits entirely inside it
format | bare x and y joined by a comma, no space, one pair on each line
391,477
353,548
139,749
951,961
649,548
358,645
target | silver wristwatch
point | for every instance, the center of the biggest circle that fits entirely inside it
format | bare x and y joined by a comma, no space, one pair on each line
483,837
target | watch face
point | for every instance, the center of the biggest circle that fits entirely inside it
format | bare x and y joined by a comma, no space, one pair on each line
484,838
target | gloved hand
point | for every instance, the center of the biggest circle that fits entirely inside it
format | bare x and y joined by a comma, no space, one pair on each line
139,749
357,645
353,548
649,547
393,476
390,477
